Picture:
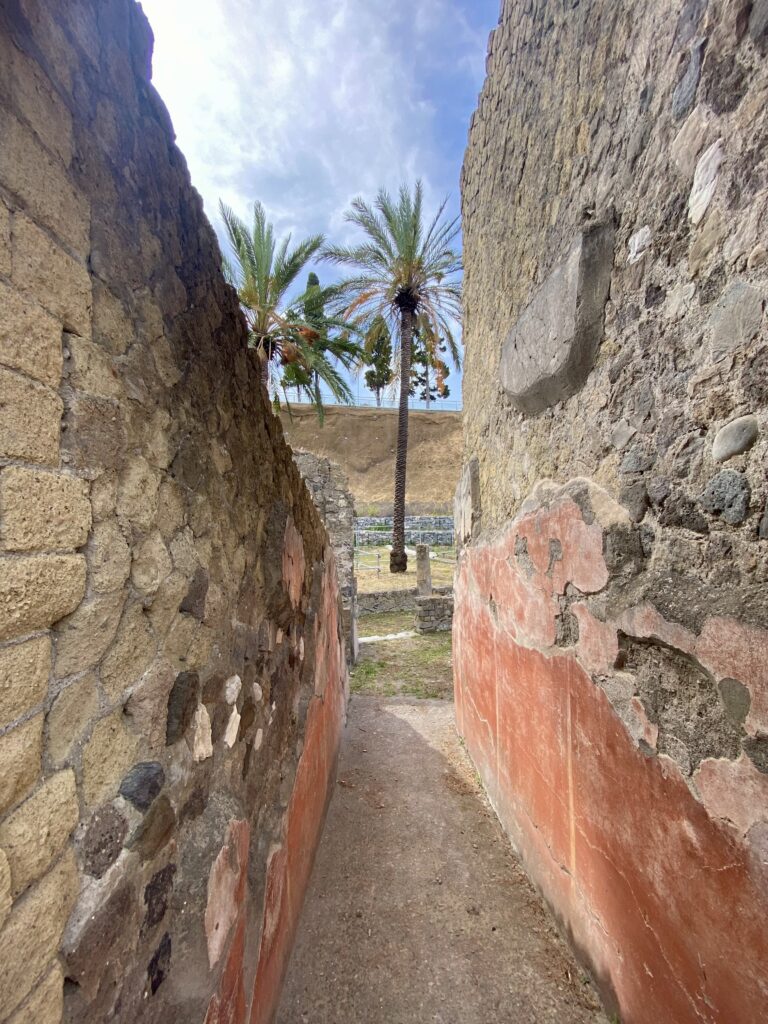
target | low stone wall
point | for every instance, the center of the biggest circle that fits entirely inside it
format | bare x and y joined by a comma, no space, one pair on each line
434,614
328,486
381,601
172,679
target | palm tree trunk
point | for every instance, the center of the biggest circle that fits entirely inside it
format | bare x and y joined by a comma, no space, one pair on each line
398,560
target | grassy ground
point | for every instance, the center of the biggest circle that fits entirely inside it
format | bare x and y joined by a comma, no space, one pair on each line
419,666
369,559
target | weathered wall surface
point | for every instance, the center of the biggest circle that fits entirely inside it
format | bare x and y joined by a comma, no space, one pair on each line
172,680
331,496
611,622
362,441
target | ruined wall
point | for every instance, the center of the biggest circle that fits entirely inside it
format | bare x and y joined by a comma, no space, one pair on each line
611,622
172,681
330,493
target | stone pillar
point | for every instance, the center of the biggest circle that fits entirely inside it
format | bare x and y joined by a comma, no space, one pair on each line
423,571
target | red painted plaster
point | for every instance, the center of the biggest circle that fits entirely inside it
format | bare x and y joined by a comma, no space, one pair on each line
658,889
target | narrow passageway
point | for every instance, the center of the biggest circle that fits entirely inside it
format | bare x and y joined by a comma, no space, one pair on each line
418,910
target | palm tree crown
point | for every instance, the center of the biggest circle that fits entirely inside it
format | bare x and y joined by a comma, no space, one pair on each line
291,347
407,275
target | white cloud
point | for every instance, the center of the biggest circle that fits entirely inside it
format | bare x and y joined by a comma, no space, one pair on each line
305,104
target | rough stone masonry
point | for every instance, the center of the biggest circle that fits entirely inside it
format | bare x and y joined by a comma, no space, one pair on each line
172,678
611,623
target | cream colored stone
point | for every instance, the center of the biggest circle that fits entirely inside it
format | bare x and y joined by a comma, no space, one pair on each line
30,420
185,557
46,1004
151,564
199,740
232,729
89,368
5,888
37,591
705,181
31,937
36,833
42,511
5,241
711,234
131,653
691,139
42,183
84,637
110,752
20,757
70,715
24,672
104,496
259,739
137,492
109,557
232,689
58,282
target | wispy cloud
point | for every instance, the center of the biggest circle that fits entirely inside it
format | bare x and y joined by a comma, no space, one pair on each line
305,104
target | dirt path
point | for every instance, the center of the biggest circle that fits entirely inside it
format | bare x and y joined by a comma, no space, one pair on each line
418,912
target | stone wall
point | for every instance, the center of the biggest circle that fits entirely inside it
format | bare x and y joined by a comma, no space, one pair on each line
331,496
380,601
172,684
434,614
611,619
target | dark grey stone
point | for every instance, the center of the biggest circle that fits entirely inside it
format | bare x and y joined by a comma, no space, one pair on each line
156,894
758,21
727,495
143,783
762,530
685,91
688,22
160,964
636,461
194,601
680,510
735,438
736,700
550,351
659,489
183,700
634,498
103,840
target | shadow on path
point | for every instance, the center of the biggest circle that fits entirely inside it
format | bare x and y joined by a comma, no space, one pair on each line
418,912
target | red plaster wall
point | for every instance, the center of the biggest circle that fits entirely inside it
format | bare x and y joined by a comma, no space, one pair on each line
665,894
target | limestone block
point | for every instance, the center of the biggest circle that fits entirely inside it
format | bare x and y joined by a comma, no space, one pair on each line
36,833
24,672
200,743
38,590
137,492
30,420
46,1004
70,715
107,756
151,564
36,102
5,242
131,653
84,637
41,181
40,511
423,571
691,139
59,282
5,888
550,351
30,940
736,318
20,754
109,557
88,367
95,436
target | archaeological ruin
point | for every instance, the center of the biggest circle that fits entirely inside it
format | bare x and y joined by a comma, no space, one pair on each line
178,610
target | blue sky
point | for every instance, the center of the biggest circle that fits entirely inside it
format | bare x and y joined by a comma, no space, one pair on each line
304,104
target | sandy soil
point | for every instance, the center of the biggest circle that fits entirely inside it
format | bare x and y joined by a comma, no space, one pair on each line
418,912
362,441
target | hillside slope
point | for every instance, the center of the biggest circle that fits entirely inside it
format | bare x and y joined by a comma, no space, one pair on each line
362,441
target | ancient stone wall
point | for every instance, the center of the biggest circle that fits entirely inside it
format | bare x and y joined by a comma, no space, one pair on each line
611,623
331,496
172,681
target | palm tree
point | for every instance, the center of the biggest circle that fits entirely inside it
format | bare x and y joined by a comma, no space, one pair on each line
406,275
262,272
